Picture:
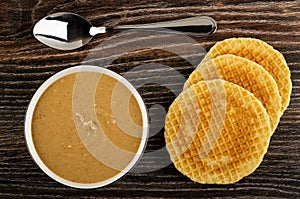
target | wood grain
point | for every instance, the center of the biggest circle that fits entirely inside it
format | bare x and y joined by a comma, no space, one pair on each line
25,64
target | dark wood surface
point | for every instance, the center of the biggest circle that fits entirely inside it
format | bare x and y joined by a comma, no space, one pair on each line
25,64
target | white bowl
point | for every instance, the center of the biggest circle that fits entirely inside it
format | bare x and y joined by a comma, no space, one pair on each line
38,94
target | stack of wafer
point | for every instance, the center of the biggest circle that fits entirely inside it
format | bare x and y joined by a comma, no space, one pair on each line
218,129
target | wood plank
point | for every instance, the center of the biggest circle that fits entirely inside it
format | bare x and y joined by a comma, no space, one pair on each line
25,64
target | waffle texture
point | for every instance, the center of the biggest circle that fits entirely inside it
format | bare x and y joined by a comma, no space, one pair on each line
246,74
261,53
217,132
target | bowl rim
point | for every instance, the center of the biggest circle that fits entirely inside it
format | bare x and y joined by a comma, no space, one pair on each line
39,92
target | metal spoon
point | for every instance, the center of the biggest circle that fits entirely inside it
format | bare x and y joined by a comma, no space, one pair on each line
68,31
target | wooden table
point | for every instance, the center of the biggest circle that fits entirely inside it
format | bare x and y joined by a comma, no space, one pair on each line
25,64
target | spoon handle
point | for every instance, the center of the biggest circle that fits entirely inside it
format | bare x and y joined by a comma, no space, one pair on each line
198,26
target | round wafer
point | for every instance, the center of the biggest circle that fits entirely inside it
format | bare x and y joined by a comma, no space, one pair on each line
246,74
216,132
261,53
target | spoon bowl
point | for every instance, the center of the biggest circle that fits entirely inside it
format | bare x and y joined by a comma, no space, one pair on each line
63,31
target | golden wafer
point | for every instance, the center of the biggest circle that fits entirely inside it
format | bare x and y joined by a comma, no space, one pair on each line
217,132
246,74
261,53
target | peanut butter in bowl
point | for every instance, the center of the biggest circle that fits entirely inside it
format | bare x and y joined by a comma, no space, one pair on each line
86,127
